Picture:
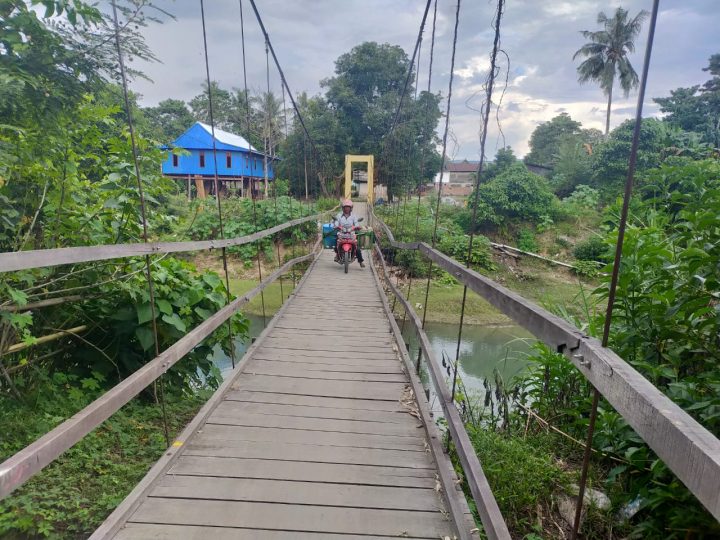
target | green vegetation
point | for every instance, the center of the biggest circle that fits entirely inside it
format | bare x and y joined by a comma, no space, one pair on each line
523,476
271,295
242,216
71,497
665,321
666,326
592,249
67,178
355,114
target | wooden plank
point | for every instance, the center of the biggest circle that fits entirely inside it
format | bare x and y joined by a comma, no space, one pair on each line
324,438
360,366
119,516
354,355
346,332
400,416
556,332
144,531
315,401
342,389
44,258
19,468
338,346
311,453
321,304
339,473
289,369
282,491
224,416
292,517
363,317
372,314
322,328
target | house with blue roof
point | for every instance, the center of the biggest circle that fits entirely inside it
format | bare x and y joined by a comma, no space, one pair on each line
240,166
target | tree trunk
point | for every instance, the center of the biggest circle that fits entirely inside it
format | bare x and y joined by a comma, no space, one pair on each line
323,186
607,119
265,165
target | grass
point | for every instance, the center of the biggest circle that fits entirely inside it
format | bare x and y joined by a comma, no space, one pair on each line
445,300
74,494
534,280
524,479
271,294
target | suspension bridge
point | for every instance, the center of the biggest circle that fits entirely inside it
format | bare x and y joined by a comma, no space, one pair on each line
323,429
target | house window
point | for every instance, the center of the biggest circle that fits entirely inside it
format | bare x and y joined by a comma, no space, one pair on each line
228,160
202,159
257,163
175,160
247,162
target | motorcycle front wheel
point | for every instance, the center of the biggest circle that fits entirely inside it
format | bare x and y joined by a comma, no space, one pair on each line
346,261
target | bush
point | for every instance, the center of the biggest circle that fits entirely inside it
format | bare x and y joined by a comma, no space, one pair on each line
456,246
412,261
526,241
521,477
583,197
516,194
242,217
326,203
592,249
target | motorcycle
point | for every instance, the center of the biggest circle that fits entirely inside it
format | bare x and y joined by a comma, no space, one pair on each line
347,245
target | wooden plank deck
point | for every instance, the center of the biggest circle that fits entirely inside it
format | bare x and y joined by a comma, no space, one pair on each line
312,438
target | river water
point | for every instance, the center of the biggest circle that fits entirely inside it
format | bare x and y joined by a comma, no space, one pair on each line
483,349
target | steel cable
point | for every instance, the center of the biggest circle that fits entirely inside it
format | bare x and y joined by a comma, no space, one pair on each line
442,160
248,130
216,182
616,262
483,139
143,214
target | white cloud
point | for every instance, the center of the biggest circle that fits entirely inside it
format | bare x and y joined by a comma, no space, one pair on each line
476,65
539,38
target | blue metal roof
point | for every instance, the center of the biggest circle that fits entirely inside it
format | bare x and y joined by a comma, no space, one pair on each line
199,137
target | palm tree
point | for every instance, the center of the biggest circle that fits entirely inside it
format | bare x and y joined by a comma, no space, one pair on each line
270,109
607,54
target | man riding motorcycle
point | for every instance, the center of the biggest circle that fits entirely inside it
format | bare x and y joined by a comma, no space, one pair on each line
347,219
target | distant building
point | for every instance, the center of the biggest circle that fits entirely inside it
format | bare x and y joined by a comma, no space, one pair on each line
541,170
240,167
458,177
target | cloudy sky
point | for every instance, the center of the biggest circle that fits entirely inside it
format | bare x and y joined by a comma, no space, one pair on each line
539,36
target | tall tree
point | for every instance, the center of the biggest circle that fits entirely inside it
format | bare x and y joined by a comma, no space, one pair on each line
271,113
365,93
354,117
222,106
697,109
546,139
168,120
606,54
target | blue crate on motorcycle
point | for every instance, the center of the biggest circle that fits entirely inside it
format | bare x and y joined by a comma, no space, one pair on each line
329,236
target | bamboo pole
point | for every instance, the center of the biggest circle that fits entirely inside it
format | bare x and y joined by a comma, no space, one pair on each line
44,339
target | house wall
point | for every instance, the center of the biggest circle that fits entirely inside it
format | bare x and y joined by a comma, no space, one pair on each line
456,190
241,164
463,177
